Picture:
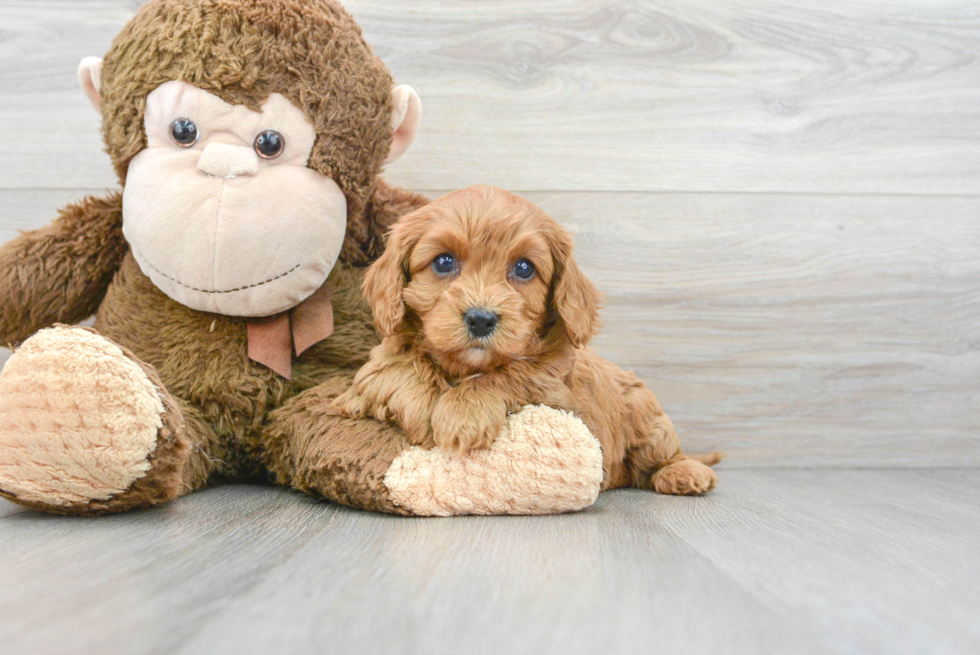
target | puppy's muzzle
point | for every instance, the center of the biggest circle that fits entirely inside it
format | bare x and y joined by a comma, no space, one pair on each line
480,322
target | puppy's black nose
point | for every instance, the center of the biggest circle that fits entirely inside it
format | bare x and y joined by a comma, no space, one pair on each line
481,322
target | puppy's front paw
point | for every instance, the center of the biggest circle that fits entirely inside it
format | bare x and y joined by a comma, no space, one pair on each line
350,403
467,420
417,424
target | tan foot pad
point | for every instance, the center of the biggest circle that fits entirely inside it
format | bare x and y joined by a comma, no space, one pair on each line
545,461
77,419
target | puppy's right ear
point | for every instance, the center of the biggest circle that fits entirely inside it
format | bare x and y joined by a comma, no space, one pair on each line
386,278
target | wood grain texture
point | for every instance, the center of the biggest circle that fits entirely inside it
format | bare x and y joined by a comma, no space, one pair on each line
761,95
795,330
880,561
773,562
787,330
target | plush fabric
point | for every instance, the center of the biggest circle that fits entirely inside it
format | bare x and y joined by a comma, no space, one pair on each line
310,51
60,273
78,419
90,77
551,454
405,120
231,242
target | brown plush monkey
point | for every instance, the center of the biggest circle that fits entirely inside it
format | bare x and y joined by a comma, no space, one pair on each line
248,136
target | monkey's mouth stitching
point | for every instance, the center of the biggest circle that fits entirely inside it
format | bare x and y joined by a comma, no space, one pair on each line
249,286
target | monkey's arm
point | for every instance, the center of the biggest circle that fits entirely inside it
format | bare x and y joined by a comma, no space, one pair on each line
59,273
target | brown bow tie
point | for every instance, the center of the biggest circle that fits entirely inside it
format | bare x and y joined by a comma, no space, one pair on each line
272,340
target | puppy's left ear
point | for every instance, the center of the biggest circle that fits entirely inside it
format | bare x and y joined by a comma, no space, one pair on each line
575,297
386,278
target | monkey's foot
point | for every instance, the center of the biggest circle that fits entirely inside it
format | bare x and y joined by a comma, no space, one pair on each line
688,477
85,428
545,461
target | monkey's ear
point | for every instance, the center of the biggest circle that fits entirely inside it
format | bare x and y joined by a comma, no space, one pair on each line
405,119
90,75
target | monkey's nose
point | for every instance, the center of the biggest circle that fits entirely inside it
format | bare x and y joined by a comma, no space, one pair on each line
481,322
225,160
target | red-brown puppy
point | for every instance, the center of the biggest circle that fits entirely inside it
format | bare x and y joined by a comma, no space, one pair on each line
483,310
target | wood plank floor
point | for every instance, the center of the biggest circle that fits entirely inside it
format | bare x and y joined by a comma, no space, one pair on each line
858,561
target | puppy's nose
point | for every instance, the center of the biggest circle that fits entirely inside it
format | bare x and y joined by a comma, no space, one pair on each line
481,322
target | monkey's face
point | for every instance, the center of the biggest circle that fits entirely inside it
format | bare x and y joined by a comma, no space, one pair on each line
222,212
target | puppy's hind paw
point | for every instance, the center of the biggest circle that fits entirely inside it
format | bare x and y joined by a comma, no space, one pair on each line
687,477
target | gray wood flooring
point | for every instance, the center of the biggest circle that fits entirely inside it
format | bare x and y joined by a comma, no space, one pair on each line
781,562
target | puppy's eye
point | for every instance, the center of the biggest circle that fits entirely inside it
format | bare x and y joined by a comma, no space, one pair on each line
444,264
269,144
523,269
184,132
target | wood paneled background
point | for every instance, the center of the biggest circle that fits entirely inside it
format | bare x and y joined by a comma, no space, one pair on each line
781,200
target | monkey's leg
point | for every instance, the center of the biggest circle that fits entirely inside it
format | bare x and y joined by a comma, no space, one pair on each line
86,428
544,462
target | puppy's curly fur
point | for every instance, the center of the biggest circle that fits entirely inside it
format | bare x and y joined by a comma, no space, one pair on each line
450,379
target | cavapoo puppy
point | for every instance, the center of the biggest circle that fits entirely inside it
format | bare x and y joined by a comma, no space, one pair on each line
482,311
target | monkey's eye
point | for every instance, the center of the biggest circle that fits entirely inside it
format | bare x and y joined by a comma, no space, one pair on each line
523,269
444,264
184,132
269,144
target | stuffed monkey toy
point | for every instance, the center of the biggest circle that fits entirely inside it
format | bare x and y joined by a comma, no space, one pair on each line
248,137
